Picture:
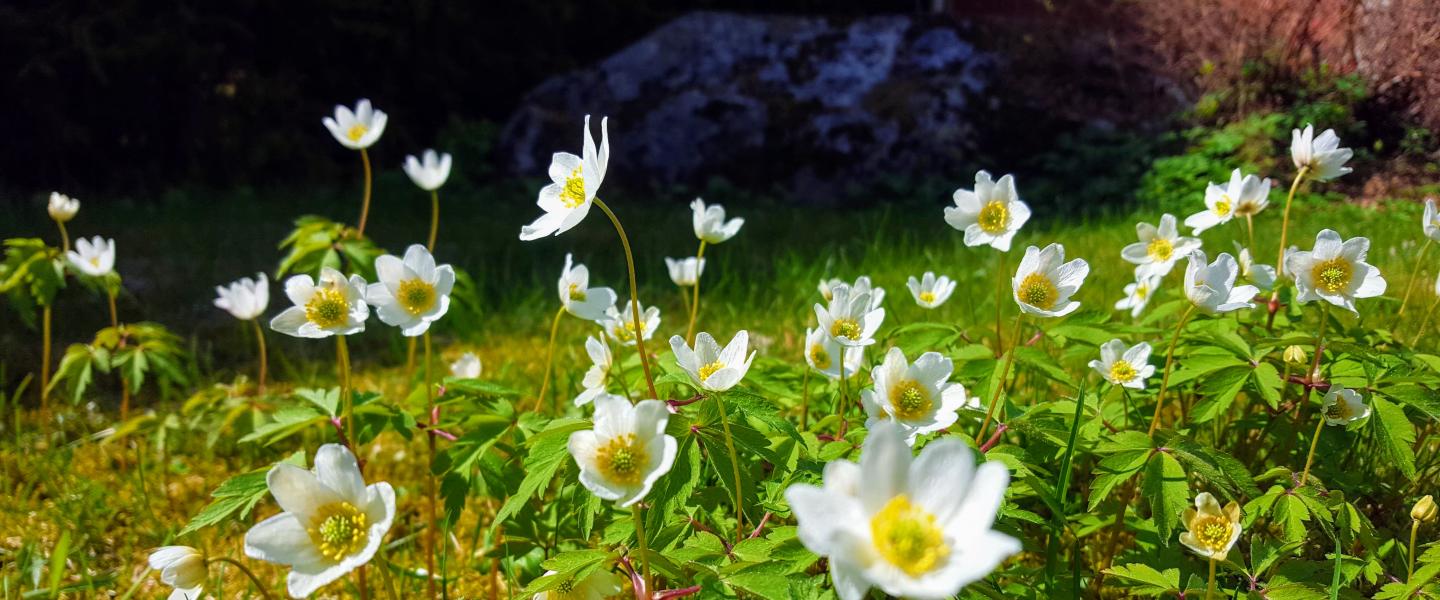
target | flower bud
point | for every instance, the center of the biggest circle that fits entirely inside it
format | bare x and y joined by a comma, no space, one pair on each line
1425,509
62,208
180,567
1295,355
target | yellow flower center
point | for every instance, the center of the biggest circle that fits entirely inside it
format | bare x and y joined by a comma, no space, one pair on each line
623,459
1160,249
338,530
994,216
1222,207
623,331
819,357
710,369
1212,532
1038,291
327,308
576,294
910,400
1339,410
1141,291
95,261
1122,372
1332,275
927,297
846,328
907,536
416,296
356,132
573,194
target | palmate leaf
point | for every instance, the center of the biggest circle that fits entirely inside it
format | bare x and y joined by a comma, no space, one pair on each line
31,275
1167,492
547,454
1215,465
1219,389
1143,580
1395,435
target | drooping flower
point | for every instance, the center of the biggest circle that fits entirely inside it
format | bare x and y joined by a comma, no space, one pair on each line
686,271
849,319
1430,222
915,528
1321,156
1263,276
930,291
1124,366
619,325
916,396
1344,406
245,298
94,257
332,522
335,306
601,361
710,367
598,585
824,354
62,208
1209,530
1211,286
412,293
578,297
359,129
626,452
1138,294
710,224
990,214
182,568
567,200
1334,271
430,171
1244,195
1044,283
468,366
1159,247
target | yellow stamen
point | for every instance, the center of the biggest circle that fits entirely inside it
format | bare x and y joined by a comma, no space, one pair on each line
1122,372
1222,206
846,328
1211,532
908,537
994,217
623,459
1038,291
356,132
327,307
910,400
573,194
1160,249
710,369
1332,275
576,293
927,297
819,357
1339,410
338,530
416,296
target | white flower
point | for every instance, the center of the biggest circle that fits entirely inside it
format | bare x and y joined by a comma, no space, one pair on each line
1138,294
335,306
918,397
245,298
578,297
1158,248
598,585
915,528
1043,284
94,257
620,325
685,272
930,291
601,361
990,214
1430,223
1128,367
468,366
822,353
412,293
1211,287
1210,531
62,208
1263,276
626,452
710,224
1322,156
182,568
430,172
862,285
1334,271
567,200
1343,406
331,524
1244,195
710,367
850,318
356,130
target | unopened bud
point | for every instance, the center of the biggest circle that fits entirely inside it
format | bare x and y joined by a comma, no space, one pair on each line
1425,509
1295,355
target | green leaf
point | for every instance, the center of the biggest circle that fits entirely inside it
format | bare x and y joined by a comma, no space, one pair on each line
1167,491
1214,465
574,565
238,494
1395,434
1267,384
1044,363
1143,580
547,454
760,409
1219,389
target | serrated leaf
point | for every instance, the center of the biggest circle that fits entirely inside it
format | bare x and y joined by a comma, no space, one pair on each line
547,453
1143,580
1219,390
1395,434
1167,492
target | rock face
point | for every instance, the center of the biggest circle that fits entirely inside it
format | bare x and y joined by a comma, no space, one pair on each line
807,105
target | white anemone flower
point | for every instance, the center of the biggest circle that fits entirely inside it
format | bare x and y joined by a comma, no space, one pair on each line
1334,271
1321,156
94,257
619,325
1430,223
930,291
567,200
627,451
990,214
1159,247
710,367
578,297
915,528
334,306
359,129
710,224
685,272
332,522
468,366
1044,283
601,360
1244,195
182,568
824,354
1209,530
1124,366
916,396
1344,406
430,171
598,585
850,318
1263,276
245,298
62,208
862,285
1211,286
1138,294
412,293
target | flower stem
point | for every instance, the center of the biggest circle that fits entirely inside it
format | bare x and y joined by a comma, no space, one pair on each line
434,219
1311,378
634,298
1414,275
243,569
840,404
64,238
644,548
1000,383
1169,362
45,314
365,202
734,465
999,300
260,343
695,303
342,355
805,398
1210,585
549,359
1410,568
1425,323
1314,443
114,315
1250,227
1285,224
430,474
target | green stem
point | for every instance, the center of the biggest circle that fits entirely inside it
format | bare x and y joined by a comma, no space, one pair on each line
644,548
1000,383
1210,585
243,569
549,359
1425,323
1414,275
64,238
1410,568
365,202
342,355
1314,443
45,350
695,303
264,360
805,399
634,297
1313,376
1169,362
734,465
999,300
430,474
434,219
1285,224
